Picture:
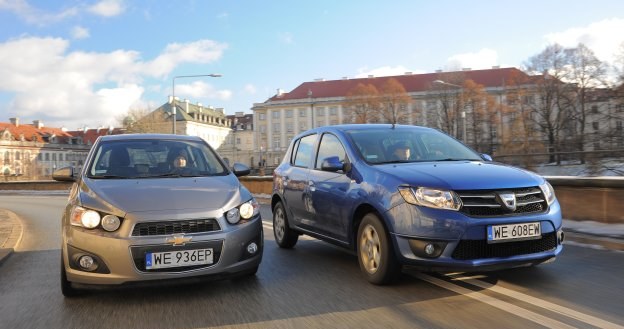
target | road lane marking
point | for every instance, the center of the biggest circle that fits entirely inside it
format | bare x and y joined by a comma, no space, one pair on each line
591,320
505,306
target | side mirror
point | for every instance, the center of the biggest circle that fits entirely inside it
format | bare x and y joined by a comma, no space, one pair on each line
486,157
333,164
65,174
240,169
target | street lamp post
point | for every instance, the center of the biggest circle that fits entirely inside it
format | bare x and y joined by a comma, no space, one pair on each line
173,100
463,112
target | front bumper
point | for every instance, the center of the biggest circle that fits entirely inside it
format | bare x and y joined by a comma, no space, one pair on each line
122,255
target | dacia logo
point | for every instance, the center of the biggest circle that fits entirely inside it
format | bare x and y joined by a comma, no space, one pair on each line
178,239
508,200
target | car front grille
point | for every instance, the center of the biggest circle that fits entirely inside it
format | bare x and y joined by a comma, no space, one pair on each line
485,203
173,227
480,249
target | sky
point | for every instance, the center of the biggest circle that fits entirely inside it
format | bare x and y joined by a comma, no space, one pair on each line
87,63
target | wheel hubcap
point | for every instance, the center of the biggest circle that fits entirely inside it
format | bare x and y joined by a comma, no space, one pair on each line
370,249
279,224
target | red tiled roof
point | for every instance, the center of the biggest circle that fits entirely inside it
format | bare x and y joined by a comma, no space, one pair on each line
32,133
411,83
90,135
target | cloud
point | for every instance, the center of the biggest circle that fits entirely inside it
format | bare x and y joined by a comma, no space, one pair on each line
202,51
107,8
286,37
250,89
483,59
201,90
72,88
79,32
601,37
35,16
385,71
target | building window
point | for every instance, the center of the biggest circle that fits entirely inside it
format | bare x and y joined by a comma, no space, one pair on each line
303,112
320,111
276,143
262,129
262,116
320,123
276,127
333,110
618,126
18,156
289,113
238,140
594,109
595,125
40,156
276,114
289,127
334,122
302,126
47,156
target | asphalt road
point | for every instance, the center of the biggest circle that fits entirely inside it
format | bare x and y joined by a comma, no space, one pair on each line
314,285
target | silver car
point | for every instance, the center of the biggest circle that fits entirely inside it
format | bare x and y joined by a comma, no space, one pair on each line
156,207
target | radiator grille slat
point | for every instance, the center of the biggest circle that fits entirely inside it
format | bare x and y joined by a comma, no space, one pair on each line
173,227
480,249
484,203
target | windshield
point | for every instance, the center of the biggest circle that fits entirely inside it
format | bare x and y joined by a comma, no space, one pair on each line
152,159
407,144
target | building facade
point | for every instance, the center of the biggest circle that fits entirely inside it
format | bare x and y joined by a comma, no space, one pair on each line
238,145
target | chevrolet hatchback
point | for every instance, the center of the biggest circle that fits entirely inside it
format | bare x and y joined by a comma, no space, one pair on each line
406,195
147,208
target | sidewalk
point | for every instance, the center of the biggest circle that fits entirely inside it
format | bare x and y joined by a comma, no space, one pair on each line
595,234
10,233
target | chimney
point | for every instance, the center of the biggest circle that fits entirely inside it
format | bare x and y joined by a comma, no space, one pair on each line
319,79
408,73
38,124
495,67
345,78
14,121
170,99
280,92
466,69
438,71
186,105
371,76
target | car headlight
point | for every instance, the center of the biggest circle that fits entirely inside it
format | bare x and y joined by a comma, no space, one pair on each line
85,217
91,219
549,192
245,211
432,198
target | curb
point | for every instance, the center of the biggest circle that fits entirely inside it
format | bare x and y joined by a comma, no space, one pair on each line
591,239
10,233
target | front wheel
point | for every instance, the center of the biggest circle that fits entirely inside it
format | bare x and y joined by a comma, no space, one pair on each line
375,252
284,236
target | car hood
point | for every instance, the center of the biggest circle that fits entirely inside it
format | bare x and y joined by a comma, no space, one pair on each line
160,194
461,175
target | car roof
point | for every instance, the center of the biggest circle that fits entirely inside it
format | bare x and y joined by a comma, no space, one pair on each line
367,126
130,137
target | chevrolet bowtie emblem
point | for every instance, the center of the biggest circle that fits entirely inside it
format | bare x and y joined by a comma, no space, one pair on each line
178,239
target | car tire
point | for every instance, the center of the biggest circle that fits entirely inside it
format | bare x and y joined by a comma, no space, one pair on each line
375,252
66,286
284,236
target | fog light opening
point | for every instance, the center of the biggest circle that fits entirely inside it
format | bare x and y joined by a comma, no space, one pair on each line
87,263
252,248
561,237
430,249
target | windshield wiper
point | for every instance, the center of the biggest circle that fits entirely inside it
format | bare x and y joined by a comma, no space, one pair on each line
109,177
172,174
451,159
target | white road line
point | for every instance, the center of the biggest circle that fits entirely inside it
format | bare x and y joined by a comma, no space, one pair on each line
591,320
505,306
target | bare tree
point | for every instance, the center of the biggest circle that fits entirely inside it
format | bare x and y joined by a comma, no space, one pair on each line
363,103
448,95
550,113
141,120
587,73
394,101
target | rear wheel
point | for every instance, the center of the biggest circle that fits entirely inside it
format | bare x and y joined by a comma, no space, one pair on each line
66,286
375,252
284,236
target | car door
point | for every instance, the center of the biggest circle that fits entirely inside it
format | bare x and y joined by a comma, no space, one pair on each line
295,182
329,190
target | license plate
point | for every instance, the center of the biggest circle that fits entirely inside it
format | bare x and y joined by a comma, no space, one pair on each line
522,231
178,258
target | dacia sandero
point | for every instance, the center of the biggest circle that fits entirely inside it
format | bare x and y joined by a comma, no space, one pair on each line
406,195
154,208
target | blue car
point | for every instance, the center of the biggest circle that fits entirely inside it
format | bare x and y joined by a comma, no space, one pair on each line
405,195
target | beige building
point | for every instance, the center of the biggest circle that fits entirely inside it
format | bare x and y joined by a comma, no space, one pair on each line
238,146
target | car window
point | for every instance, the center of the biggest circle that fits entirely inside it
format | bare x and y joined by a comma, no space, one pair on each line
330,146
153,158
303,155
